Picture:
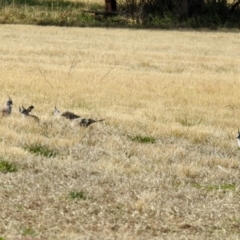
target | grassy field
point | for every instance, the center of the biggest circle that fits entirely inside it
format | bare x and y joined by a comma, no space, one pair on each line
163,165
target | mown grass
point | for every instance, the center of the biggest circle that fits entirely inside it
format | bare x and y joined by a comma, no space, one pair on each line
163,164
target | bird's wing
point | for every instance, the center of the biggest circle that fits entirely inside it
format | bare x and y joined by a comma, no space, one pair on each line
70,115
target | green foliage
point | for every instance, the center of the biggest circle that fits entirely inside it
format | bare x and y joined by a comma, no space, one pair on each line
134,13
143,139
40,149
78,195
229,187
1,238
6,166
172,13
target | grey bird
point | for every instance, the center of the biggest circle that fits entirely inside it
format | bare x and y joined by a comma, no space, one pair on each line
7,109
25,113
68,115
85,122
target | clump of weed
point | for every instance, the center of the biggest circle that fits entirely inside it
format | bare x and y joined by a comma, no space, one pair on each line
143,139
6,166
40,149
77,195
1,238
229,187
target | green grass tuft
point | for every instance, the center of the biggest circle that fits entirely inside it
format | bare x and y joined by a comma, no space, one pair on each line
230,187
28,232
143,139
39,149
6,167
78,195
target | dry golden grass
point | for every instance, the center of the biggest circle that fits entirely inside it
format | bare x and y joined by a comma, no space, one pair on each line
178,89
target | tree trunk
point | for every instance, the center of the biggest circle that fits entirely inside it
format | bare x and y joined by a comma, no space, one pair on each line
110,5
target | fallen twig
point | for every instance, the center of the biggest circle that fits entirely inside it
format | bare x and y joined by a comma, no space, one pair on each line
108,72
74,62
44,76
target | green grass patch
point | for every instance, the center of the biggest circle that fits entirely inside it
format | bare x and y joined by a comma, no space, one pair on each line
28,232
143,139
229,187
6,166
1,238
77,195
40,149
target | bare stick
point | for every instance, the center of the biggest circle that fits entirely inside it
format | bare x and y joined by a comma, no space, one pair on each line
74,63
108,72
44,77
